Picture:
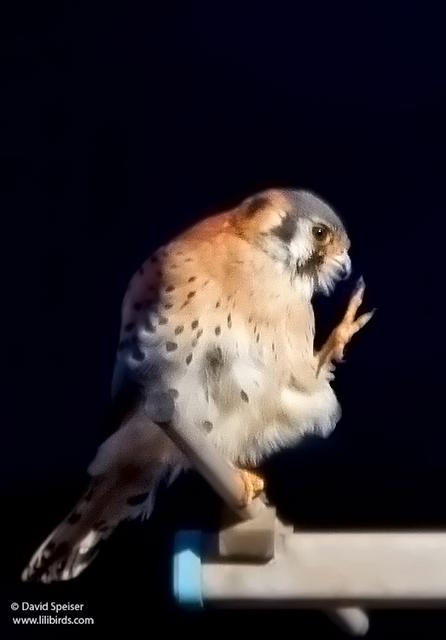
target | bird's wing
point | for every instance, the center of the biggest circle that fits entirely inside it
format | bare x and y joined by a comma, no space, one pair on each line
134,457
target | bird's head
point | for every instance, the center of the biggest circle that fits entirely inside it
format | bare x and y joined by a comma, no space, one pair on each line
302,232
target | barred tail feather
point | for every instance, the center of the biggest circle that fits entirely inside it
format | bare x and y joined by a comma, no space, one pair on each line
75,542
126,473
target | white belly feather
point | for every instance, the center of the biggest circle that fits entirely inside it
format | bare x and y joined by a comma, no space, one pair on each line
244,400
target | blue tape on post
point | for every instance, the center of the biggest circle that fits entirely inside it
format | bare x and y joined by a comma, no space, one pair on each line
187,569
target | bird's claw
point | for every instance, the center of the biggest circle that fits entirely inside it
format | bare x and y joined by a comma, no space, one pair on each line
253,485
333,350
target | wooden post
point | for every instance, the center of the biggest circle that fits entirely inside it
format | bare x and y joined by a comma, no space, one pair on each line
225,481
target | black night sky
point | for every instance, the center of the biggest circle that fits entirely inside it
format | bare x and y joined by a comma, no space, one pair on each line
122,124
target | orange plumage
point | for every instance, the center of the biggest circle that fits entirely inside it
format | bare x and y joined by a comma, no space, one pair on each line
217,334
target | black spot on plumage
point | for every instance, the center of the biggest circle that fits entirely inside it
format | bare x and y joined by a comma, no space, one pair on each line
189,359
205,283
191,294
255,205
74,517
258,337
179,329
194,343
170,288
273,347
188,260
229,321
61,549
137,353
163,320
217,304
138,499
192,279
244,396
171,346
174,393
194,324
214,361
168,305
207,425
217,331
88,496
286,230
185,303
250,319
102,528
199,333
148,325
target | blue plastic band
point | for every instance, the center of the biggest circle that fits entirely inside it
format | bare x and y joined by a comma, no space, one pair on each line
187,569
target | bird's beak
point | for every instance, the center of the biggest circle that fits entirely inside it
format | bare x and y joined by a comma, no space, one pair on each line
345,265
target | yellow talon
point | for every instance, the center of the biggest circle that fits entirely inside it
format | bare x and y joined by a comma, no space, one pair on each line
333,349
253,485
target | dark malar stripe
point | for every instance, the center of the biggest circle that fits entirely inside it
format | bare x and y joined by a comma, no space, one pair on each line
311,266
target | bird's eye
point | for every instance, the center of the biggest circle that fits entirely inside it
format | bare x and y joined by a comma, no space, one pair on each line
321,234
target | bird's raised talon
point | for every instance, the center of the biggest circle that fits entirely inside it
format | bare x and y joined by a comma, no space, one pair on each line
333,350
253,485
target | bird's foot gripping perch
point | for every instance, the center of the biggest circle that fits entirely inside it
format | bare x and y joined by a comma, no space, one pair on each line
253,485
333,349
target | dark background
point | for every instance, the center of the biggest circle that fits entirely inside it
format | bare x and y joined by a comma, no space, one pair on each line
124,123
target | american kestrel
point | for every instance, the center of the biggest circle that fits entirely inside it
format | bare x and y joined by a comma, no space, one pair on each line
217,334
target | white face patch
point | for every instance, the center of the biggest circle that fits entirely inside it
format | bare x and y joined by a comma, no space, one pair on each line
302,246
307,259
